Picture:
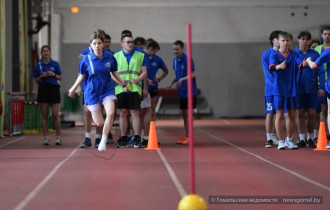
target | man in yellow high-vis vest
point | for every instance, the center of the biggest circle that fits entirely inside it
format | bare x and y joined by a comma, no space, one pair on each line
132,68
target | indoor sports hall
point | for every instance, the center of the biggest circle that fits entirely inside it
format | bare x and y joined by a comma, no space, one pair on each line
223,164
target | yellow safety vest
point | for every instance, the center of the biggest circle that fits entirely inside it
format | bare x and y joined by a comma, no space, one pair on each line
319,50
129,71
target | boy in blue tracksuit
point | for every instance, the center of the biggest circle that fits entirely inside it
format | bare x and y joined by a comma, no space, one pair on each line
284,65
269,78
308,91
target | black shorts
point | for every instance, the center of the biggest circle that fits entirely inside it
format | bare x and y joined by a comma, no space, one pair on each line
153,92
184,103
130,100
48,93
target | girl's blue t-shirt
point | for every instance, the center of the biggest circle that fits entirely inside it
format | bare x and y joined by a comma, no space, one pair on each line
97,82
52,66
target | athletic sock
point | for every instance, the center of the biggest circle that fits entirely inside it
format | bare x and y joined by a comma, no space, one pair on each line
316,133
274,136
104,137
269,136
310,135
301,136
98,136
288,139
87,135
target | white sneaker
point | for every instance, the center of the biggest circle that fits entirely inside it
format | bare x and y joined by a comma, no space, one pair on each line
281,145
46,141
275,141
102,146
290,144
58,141
328,146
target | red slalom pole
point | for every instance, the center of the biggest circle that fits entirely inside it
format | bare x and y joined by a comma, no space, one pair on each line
190,112
191,201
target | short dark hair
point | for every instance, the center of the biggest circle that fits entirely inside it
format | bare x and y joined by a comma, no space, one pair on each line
285,34
325,28
152,43
124,36
107,36
140,40
316,41
305,34
273,35
126,32
178,42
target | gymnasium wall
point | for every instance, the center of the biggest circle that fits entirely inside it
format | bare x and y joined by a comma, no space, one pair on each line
228,40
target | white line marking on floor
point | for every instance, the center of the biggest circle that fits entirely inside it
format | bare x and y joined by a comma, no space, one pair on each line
174,178
227,122
35,191
13,141
252,129
270,162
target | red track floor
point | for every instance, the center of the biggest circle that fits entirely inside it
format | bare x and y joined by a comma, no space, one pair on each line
230,160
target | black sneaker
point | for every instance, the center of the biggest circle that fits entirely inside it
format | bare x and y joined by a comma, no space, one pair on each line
144,142
86,143
315,140
122,142
301,143
97,142
310,143
137,142
269,144
110,139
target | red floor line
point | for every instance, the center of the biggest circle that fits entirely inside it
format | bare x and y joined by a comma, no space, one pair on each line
269,162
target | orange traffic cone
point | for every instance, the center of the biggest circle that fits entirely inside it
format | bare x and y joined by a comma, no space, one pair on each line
322,138
152,139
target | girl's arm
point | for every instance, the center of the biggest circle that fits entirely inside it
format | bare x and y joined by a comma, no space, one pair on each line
76,84
38,79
